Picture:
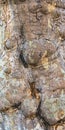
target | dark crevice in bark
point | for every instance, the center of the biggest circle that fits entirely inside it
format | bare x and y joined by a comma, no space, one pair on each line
4,1
61,121
17,105
40,117
23,60
34,91
14,106
22,34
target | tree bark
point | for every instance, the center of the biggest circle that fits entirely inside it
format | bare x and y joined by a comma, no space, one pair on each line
32,65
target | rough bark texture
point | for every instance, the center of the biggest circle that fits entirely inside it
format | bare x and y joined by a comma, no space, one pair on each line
32,65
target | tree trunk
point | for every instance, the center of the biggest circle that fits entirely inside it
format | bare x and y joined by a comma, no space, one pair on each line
32,65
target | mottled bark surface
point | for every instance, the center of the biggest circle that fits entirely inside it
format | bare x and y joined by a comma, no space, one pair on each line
32,65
